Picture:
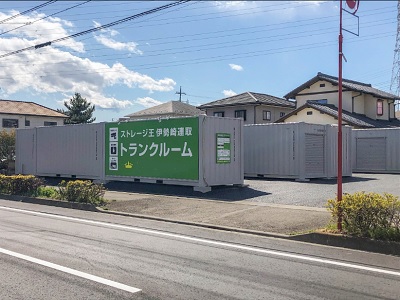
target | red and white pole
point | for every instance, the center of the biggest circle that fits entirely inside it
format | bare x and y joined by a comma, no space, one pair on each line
340,79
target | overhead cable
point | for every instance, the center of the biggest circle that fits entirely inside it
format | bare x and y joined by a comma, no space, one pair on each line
28,11
142,14
56,13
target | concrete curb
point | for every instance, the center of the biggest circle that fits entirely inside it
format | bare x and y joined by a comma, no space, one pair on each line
363,244
204,225
356,243
50,202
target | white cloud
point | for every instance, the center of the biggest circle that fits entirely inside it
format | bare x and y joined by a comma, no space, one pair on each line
51,70
113,44
236,67
148,102
106,40
229,93
40,32
235,5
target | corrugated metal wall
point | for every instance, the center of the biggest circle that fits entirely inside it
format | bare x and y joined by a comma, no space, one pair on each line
72,150
25,151
332,142
214,173
294,150
376,150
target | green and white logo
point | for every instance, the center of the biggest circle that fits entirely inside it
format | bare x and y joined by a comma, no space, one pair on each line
166,148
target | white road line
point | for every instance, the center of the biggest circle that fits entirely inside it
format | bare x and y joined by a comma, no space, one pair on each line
101,280
210,242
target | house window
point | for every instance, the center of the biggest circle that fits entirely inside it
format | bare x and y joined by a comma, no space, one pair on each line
10,123
379,107
266,115
240,114
319,101
322,85
309,113
47,123
282,114
219,114
27,123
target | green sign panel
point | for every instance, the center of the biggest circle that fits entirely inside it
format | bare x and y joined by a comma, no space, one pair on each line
223,148
166,148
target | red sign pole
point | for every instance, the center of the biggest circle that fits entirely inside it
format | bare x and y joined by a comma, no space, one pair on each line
339,167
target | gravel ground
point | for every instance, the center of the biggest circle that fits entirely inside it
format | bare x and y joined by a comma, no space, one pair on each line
313,193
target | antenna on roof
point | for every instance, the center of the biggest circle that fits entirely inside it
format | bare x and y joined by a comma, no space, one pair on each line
180,93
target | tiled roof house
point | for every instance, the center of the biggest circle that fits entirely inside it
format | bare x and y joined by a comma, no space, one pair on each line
363,105
254,108
21,114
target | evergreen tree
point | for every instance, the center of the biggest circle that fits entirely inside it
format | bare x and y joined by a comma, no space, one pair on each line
79,110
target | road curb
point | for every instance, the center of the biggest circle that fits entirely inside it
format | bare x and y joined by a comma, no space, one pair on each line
50,202
363,244
356,243
204,225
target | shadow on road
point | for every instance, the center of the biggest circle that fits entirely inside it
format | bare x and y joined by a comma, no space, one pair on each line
316,180
224,193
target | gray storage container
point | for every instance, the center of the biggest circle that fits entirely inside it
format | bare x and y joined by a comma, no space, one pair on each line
376,150
294,150
195,151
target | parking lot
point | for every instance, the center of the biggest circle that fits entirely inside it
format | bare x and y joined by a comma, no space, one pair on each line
313,193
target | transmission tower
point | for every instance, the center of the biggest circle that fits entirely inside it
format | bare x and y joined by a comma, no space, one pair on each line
395,83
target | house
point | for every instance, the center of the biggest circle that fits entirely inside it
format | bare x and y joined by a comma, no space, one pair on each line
363,106
21,114
397,114
254,108
165,110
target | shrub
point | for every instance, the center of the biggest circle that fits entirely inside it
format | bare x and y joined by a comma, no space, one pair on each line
48,192
25,185
368,215
83,191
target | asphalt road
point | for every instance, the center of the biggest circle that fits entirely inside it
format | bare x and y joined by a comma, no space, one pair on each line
170,261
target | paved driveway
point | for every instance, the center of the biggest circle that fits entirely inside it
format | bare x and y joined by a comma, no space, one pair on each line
312,193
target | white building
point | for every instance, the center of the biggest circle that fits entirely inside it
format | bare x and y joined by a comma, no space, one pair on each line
21,114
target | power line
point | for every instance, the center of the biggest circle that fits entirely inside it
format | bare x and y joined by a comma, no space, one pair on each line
154,10
48,16
28,11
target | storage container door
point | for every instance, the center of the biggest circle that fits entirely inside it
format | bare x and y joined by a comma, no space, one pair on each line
371,154
315,157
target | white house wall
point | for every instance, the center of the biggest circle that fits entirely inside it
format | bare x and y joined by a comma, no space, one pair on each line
229,112
316,118
35,121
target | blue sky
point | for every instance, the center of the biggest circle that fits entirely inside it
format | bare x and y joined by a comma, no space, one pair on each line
212,49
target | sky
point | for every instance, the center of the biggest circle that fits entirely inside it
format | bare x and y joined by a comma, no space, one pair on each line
212,49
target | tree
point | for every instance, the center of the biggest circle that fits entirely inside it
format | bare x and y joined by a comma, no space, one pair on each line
79,110
7,147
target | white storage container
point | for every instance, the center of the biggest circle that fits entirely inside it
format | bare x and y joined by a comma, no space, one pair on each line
294,150
376,150
196,151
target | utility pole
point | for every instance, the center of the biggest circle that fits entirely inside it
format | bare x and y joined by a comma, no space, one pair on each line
353,6
180,93
395,83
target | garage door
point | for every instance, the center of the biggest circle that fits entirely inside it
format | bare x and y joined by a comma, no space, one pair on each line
371,154
315,159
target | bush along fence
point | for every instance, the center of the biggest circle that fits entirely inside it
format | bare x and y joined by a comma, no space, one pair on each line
82,191
370,215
